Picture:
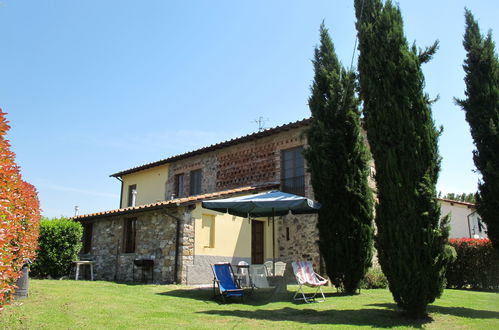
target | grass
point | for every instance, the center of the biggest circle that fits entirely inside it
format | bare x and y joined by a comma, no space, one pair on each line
56,304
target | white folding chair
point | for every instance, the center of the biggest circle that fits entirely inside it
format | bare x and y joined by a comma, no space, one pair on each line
305,276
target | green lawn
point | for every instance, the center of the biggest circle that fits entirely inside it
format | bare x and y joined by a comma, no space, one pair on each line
103,305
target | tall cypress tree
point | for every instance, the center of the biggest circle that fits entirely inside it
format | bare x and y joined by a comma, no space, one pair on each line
338,162
411,239
482,113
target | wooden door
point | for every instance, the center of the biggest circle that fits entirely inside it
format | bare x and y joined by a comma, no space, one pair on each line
256,242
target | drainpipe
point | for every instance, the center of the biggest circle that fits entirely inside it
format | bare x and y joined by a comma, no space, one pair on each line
121,190
116,265
177,245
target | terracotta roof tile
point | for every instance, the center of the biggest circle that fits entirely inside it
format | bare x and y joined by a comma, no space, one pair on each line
457,202
176,201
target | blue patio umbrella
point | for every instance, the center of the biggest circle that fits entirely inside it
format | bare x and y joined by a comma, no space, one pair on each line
267,204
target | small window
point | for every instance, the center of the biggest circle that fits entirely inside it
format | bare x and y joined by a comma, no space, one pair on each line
179,186
293,171
87,238
195,182
132,194
129,235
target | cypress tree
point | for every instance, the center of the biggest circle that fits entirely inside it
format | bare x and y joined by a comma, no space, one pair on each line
411,239
482,113
337,159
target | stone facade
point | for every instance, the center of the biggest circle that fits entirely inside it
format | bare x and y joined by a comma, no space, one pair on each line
298,237
155,240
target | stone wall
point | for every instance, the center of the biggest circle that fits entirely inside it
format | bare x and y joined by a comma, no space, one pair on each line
155,239
187,236
302,243
245,164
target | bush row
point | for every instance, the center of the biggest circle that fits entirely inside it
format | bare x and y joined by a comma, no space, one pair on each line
59,245
19,217
476,266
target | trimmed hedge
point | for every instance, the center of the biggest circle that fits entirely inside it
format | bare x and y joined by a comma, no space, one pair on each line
59,245
476,266
19,217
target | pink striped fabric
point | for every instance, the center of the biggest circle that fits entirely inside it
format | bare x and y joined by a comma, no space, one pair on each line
306,273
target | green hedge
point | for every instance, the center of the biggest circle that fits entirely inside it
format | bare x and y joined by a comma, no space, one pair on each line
476,266
374,279
59,245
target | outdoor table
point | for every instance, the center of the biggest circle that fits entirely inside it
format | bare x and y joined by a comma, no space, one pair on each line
84,262
243,276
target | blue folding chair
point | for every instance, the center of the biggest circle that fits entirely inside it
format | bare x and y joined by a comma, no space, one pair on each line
226,282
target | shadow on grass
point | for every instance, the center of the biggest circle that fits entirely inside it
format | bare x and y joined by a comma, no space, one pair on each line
359,317
454,311
256,298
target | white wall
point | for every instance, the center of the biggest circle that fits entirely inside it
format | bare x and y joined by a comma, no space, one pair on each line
459,219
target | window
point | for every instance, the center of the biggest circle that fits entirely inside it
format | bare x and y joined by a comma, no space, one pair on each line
129,235
87,238
132,194
178,190
195,182
293,171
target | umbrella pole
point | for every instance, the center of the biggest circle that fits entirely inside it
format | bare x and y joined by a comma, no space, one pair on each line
273,242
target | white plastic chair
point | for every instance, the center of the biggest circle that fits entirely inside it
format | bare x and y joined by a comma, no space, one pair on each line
305,276
270,267
259,275
280,268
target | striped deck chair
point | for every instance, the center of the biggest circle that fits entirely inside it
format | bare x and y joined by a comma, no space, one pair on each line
223,278
305,276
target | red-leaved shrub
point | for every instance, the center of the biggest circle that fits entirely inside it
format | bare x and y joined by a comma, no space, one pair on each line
476,266
19,218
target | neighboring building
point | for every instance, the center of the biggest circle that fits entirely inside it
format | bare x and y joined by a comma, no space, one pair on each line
465,221
161,219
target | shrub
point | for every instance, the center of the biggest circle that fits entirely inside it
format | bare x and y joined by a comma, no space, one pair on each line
59,245
19,218
476,266
374,279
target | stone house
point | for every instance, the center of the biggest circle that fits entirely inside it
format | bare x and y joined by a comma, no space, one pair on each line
161,223
160,219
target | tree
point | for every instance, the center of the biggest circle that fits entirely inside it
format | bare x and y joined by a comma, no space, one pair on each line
337,159
411,240
464,197
19,216
59,246
482,113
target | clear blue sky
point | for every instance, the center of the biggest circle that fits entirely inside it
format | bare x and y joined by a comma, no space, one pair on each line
95,87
